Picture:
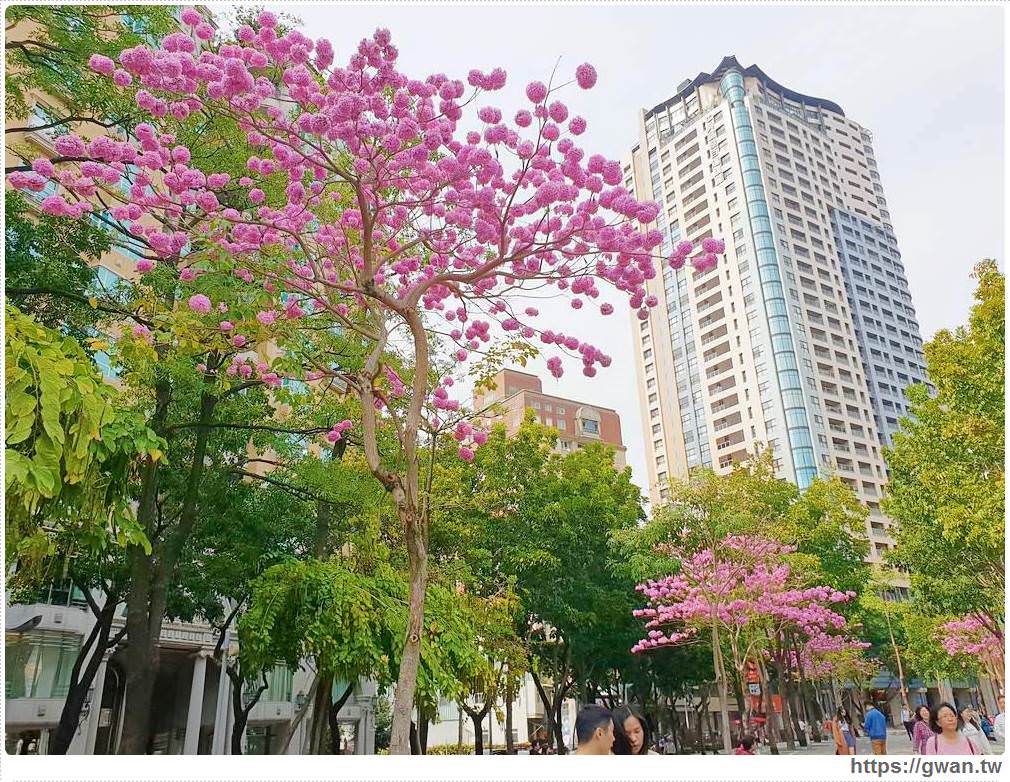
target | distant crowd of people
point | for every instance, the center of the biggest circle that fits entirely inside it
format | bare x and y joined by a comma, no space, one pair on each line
942,730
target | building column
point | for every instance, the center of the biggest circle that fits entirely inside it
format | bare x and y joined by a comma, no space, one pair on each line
95,716
220,743
192,742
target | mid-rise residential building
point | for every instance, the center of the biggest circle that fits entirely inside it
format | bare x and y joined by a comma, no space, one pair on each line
578,423
803,337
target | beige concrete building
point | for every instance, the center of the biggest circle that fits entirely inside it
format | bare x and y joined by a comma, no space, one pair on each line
768,347
577,423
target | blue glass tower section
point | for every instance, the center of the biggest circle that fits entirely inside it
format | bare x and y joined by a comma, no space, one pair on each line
787,372
885,323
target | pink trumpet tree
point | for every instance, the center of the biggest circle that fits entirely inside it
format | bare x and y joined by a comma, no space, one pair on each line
746,588
407,229
971,637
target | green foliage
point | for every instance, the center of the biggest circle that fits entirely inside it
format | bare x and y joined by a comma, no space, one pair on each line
345,620
925,654
383,715
450,749
71,444
522,515
52,45
947,466
45,253
826,523
352,622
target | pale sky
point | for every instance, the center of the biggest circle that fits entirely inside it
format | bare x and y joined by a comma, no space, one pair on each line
927,82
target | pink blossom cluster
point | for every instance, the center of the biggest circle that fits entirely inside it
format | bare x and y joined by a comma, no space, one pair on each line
337,432
469,437
744,581
382,197
246,366
970,636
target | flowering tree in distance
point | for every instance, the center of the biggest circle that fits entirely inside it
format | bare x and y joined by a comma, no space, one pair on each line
414,235
971,638
747,589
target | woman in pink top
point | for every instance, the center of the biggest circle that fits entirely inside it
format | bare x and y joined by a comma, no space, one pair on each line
921,733
946,722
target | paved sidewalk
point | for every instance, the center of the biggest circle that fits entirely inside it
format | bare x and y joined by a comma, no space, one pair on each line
897,744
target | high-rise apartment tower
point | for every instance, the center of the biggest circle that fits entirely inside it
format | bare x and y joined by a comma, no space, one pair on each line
803,338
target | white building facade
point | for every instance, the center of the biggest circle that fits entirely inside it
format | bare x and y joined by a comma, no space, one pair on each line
782,343
192,708
453,725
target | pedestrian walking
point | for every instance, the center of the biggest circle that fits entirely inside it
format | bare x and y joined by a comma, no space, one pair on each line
844,732
745,747
999,721
631,732
986,725
594,729
972,729
921,733
875,724
907,720
949,740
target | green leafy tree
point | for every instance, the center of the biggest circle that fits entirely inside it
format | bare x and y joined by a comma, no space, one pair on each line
521,514
72,447
826,524
947,467
48,263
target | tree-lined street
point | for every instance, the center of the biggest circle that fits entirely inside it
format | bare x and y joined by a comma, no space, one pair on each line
262,423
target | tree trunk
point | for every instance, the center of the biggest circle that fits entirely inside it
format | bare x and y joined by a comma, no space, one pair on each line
415,746
788,724
333,718
150,577
422,730
700,728
477,718
238,731
552,732
320,714
770,718
510,746
96,644
406,685
140,662
897,660
720,673
240,710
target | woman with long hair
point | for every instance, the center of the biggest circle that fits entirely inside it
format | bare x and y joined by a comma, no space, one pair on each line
631,732
972,728
949,739
921,732
844,732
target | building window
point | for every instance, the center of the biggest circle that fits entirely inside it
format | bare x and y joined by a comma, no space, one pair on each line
562,425
260,740
38,665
